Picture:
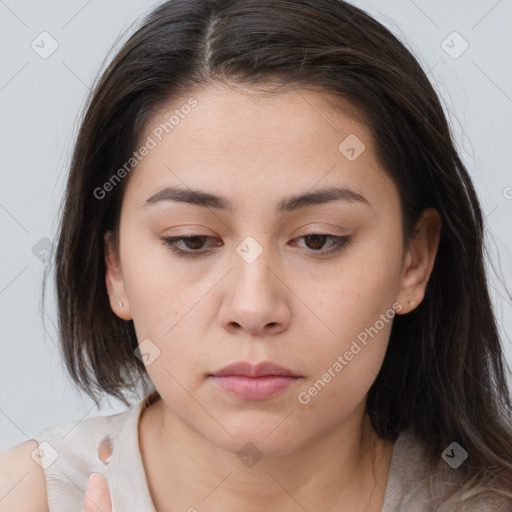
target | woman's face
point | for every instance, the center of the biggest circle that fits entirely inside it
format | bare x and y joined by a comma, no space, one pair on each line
255,287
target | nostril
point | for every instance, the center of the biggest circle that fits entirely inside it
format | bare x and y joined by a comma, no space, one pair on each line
105,450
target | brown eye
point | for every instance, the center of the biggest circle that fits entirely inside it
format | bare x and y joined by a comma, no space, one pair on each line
193,245
195,242
186,246
316,241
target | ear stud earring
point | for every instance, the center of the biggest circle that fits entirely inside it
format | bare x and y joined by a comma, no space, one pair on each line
121,304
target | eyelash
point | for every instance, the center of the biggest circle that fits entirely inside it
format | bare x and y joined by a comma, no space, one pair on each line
341,242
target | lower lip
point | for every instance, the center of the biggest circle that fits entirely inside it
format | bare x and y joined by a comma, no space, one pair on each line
254,388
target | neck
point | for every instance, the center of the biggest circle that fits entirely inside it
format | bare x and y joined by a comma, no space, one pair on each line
345,467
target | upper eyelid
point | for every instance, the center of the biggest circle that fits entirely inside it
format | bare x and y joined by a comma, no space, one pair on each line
187,236
311,231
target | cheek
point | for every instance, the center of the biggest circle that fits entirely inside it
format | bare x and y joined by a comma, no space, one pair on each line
342,372
159,291
362,291
350,342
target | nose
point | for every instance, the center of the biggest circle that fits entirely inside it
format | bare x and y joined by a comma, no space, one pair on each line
255,298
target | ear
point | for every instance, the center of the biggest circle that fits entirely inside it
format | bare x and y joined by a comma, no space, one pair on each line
419,260
114,280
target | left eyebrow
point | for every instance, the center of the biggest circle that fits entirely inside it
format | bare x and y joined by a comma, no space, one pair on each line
288,204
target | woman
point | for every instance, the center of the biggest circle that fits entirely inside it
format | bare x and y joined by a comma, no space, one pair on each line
268,228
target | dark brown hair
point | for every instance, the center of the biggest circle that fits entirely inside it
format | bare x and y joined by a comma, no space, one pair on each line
444,372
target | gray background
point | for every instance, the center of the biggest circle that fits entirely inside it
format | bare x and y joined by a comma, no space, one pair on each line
41,100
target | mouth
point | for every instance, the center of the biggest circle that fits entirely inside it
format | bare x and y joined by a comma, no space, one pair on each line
254,382
263,369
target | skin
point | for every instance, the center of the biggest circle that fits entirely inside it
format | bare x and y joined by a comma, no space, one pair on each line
289,306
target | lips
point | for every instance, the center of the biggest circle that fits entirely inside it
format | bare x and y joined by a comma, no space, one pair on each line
247,381
265,368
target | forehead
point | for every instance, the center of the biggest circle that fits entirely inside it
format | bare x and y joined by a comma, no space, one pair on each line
247,142
245,116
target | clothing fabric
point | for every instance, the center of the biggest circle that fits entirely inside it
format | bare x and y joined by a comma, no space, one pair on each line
70,452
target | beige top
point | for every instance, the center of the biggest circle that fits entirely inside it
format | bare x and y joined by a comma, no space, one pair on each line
69,452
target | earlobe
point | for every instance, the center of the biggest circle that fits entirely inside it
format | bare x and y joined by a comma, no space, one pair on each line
114,280
419,260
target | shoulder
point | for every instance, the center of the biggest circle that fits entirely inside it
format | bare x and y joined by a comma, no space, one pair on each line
51,471
70,451
415,483
22,480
